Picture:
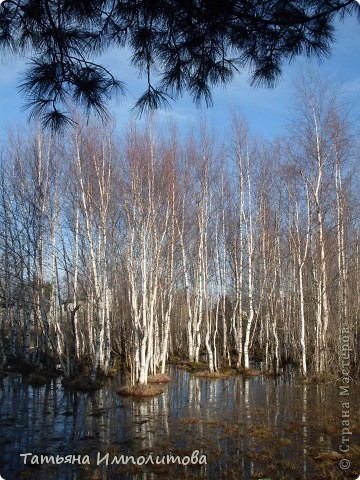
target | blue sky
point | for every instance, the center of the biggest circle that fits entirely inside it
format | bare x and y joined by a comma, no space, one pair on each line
267,110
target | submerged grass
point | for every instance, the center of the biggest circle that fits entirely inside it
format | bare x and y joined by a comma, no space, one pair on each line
189,420
213,375
251,372
319,379
159,378
248,372
262,435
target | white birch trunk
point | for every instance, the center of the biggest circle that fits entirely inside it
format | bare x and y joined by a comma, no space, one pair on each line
249,241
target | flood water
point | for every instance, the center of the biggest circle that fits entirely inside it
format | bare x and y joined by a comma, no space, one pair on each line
244,428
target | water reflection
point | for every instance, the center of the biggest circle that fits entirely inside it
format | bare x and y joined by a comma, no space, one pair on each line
242,425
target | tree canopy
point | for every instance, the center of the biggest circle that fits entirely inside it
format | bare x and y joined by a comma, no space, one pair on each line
178,45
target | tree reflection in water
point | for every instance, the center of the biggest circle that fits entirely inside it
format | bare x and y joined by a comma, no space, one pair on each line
248,428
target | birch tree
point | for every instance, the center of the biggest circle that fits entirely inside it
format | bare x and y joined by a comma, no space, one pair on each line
148,216
93,167
315,107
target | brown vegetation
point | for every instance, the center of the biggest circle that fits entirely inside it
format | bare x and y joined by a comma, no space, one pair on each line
251,372
190,366
318,379
329,456
159,378
140,391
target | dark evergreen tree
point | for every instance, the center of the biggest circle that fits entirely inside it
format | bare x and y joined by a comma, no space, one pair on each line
181,45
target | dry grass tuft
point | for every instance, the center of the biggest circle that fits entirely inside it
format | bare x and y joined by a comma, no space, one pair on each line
285,441
175,359
113,371
260,431
189,420
213,423
318,379
329,456
159,378
259,457
271,374
140,391
191,366
230,429
287,465
326,471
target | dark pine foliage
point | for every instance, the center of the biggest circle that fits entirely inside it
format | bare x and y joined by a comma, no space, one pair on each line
186,45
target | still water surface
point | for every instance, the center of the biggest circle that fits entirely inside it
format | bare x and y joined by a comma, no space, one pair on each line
247,428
